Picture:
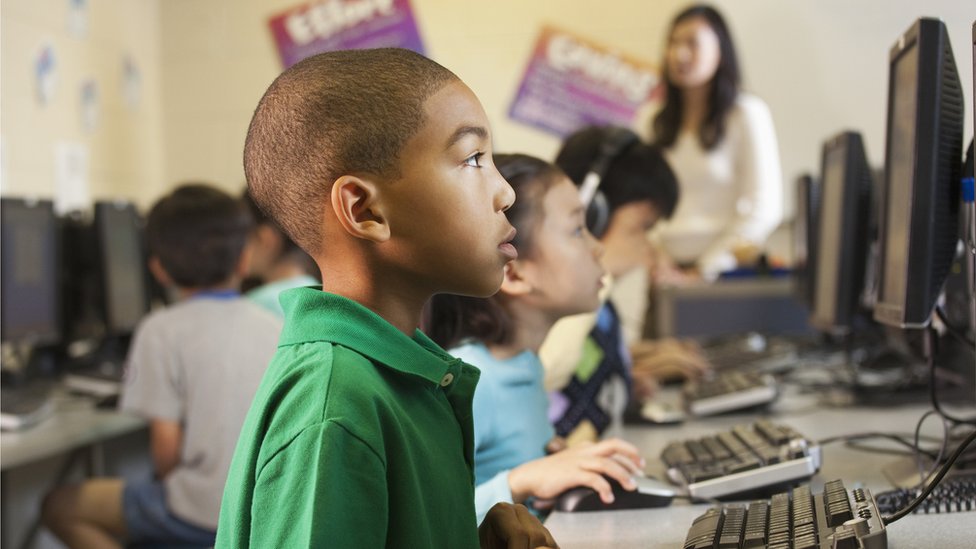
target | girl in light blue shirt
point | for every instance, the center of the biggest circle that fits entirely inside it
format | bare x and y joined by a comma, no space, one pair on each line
557,273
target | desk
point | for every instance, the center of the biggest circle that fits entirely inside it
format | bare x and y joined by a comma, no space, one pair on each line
667,526
76,429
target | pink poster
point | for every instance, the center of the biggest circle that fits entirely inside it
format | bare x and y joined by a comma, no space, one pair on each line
342,25
572,82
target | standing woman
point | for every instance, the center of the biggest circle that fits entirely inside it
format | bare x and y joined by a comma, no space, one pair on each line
721,144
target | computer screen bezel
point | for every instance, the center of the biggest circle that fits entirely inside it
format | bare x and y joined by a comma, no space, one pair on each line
926,263
846,267
52,333
105,212
805,224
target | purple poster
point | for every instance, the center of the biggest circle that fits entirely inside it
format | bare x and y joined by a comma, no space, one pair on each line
572,82
342,25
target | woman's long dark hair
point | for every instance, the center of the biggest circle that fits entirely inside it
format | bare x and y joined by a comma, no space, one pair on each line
451,319
725,86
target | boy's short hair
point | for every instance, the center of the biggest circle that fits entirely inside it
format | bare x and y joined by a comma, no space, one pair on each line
198,233
639,173
333,114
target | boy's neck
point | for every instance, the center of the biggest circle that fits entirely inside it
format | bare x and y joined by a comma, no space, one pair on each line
400,310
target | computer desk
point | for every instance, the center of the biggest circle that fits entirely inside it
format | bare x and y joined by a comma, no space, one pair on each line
76,429
667,527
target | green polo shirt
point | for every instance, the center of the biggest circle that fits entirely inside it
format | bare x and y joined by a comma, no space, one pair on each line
359,436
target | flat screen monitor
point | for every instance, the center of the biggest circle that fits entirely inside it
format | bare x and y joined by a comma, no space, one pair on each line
842,234
919,222
30,264
805,229
123,272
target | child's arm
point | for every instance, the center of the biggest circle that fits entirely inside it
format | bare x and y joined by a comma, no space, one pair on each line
165,441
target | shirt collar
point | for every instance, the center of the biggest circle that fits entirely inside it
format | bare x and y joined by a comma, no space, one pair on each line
314,315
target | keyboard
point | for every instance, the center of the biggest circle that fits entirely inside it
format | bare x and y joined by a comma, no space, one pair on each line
952,495
102,379
834,519
729,391
752,351
22,406
758,459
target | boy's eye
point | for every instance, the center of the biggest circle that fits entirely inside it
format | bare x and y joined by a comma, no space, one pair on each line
474,160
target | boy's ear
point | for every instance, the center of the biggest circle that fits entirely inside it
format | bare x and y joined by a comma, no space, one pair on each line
243,266
159,273
514,282
357,205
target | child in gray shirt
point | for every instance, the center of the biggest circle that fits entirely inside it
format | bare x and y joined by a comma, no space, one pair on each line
192,371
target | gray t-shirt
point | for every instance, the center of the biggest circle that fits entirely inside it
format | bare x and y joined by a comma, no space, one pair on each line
200,362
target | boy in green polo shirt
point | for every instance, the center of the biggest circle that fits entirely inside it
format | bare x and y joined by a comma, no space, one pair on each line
378,164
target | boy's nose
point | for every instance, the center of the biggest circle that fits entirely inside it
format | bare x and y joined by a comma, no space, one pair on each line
505,196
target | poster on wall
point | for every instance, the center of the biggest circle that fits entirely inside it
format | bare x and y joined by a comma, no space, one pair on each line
45,74
344,24
571,82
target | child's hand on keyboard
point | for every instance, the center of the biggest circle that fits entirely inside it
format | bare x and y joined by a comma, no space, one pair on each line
581,465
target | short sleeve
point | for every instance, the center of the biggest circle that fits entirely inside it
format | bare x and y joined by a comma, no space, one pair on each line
327,488
153,384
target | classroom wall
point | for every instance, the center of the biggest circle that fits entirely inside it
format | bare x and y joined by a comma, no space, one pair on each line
820,65
125,146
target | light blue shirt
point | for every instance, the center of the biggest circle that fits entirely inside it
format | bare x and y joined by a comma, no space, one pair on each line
267,295
510,422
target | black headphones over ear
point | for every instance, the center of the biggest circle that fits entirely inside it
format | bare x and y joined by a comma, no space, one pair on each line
615,142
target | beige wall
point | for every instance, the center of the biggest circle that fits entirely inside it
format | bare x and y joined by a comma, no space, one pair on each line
126,147
821,65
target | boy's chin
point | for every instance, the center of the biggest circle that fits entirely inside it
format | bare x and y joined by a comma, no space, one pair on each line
481,288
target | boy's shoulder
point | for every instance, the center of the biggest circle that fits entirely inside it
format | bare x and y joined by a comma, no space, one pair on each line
201,315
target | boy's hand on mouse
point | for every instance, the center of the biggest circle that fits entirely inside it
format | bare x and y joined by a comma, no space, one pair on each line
510,525
582,465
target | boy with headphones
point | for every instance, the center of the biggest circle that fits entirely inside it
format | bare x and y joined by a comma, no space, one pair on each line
627,186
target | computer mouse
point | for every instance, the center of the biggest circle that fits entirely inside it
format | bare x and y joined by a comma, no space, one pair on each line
649,493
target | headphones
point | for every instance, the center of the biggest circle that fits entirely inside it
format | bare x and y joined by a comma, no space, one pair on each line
615,142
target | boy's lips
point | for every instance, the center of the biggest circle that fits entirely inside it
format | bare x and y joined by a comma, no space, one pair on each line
507,248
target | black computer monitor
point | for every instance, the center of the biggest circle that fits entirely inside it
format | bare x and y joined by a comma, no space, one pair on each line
841,242
122,267
30,265
805,227
919,222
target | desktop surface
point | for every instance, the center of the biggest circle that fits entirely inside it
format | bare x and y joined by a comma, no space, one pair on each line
805,412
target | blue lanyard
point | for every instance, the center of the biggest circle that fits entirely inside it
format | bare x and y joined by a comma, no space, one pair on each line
216,294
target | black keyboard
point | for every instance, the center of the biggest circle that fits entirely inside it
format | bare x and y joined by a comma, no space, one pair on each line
742,460
751,351
729,391
952,495
835,519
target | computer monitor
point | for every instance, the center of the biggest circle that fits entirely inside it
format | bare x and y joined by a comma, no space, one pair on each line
805,227
842,237
122,266
919,222
30,265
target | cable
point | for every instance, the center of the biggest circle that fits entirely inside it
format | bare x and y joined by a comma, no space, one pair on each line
953,330
900,438
930,364
935,481
923,475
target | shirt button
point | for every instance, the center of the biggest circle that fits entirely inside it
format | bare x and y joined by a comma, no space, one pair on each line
447,379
